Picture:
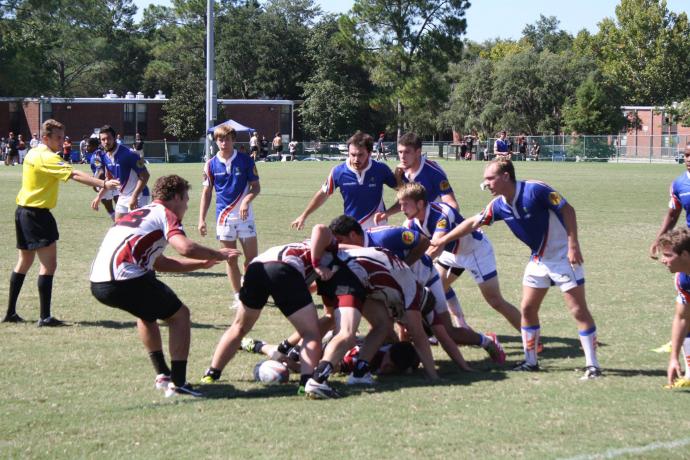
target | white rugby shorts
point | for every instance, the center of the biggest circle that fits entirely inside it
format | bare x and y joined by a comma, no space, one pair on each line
542,274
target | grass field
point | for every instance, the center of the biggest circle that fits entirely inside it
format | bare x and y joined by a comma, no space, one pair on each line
87,390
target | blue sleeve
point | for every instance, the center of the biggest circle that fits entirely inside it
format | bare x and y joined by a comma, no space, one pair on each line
388,176
399,238
549,197
135,162
252,172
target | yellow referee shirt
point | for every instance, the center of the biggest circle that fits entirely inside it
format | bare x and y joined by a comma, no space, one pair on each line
43,169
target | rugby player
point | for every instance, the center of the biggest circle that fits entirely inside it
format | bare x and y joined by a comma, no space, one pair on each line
35,226
675,254
284,273
110,196
360,179
234,178
474,252
123,276
542,219
125,165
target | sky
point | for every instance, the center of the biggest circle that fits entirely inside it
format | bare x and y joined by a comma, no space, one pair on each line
488,19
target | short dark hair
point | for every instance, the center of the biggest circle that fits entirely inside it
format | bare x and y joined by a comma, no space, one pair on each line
505,166
360,139
343,225
404,357
410,139
92,141
108,129
166,187
678,239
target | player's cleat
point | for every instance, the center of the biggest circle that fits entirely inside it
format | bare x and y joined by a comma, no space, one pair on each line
524,366
50,322
162,382
495,349
591,373
366,379
14,318
184,390
680,382
316,390
250,345
301,391
665,348
210,376
293,353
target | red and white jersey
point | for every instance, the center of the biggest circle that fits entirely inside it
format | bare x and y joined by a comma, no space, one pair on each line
298,256
132,245
385,276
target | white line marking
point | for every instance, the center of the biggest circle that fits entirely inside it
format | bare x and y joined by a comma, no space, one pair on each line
613,453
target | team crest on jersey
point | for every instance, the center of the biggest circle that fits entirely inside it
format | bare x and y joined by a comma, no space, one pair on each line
555,198
444,185
141,163
97,163
442,223
407,237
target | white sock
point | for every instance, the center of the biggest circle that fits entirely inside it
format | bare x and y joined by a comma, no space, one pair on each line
485,341
530,338
588,339
686,354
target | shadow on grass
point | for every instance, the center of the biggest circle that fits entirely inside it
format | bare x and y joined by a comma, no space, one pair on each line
554,347
192,274
108,324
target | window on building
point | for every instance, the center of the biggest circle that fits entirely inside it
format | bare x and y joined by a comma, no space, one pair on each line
286,119
129,120
46,110
15,119
141,119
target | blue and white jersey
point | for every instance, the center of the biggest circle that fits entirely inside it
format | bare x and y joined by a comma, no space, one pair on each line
432,177
680,195
362,193
95,162
534,217
230,180
501,145
441,218
400,241
683,288
124,165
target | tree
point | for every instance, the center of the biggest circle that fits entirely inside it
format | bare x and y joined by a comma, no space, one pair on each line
545,35
595,108
405,36
184,114
645,52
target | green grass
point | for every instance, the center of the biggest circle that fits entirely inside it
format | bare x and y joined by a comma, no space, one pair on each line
87,390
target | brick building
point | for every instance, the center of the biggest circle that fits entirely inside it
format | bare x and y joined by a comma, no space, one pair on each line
650,132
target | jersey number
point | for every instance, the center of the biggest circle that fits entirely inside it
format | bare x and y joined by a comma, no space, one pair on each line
134,218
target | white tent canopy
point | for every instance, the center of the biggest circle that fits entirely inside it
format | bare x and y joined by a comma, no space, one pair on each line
240,128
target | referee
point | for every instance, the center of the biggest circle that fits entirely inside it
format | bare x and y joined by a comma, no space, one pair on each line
37,232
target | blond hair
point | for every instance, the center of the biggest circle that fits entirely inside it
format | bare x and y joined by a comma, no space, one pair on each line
50,126
412,191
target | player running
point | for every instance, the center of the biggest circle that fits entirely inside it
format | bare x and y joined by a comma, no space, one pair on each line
542,219
234,178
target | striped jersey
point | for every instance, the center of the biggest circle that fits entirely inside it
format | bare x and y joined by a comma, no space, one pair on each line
124,165
230,180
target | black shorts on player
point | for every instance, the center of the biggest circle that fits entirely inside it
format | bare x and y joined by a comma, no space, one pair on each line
145,297
276,279
35,228
342,283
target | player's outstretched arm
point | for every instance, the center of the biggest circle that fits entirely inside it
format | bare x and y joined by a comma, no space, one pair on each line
450,347
413,321
381,216
316,201
466,227
418,251
670,220
321,238
679,331
203,209
450,200
87,179
192,250
570,221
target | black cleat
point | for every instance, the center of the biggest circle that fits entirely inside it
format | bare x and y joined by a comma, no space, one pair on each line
51,322
14,318
525,367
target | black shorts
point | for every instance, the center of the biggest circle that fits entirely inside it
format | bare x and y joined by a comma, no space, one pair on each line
145,297
279,280
35,228
343,283
457,271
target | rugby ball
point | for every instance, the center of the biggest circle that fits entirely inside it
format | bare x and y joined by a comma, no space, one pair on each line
271,372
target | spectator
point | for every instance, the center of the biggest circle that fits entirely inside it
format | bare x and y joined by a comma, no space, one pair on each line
34,141
3,148
469,140
82,149
522,147
381,148
254,146
463,149
22,148
264,147
293,151
12,156
139,145
67,150
118,139
502,146
536,148
278,146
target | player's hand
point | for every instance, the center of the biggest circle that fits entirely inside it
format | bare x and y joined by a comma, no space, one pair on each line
574,255
654,251
133,203
94,203
325,273
673,371
229,253
380,217
437,242
209,263
399,172
202,228
111,184
244,211
298,224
